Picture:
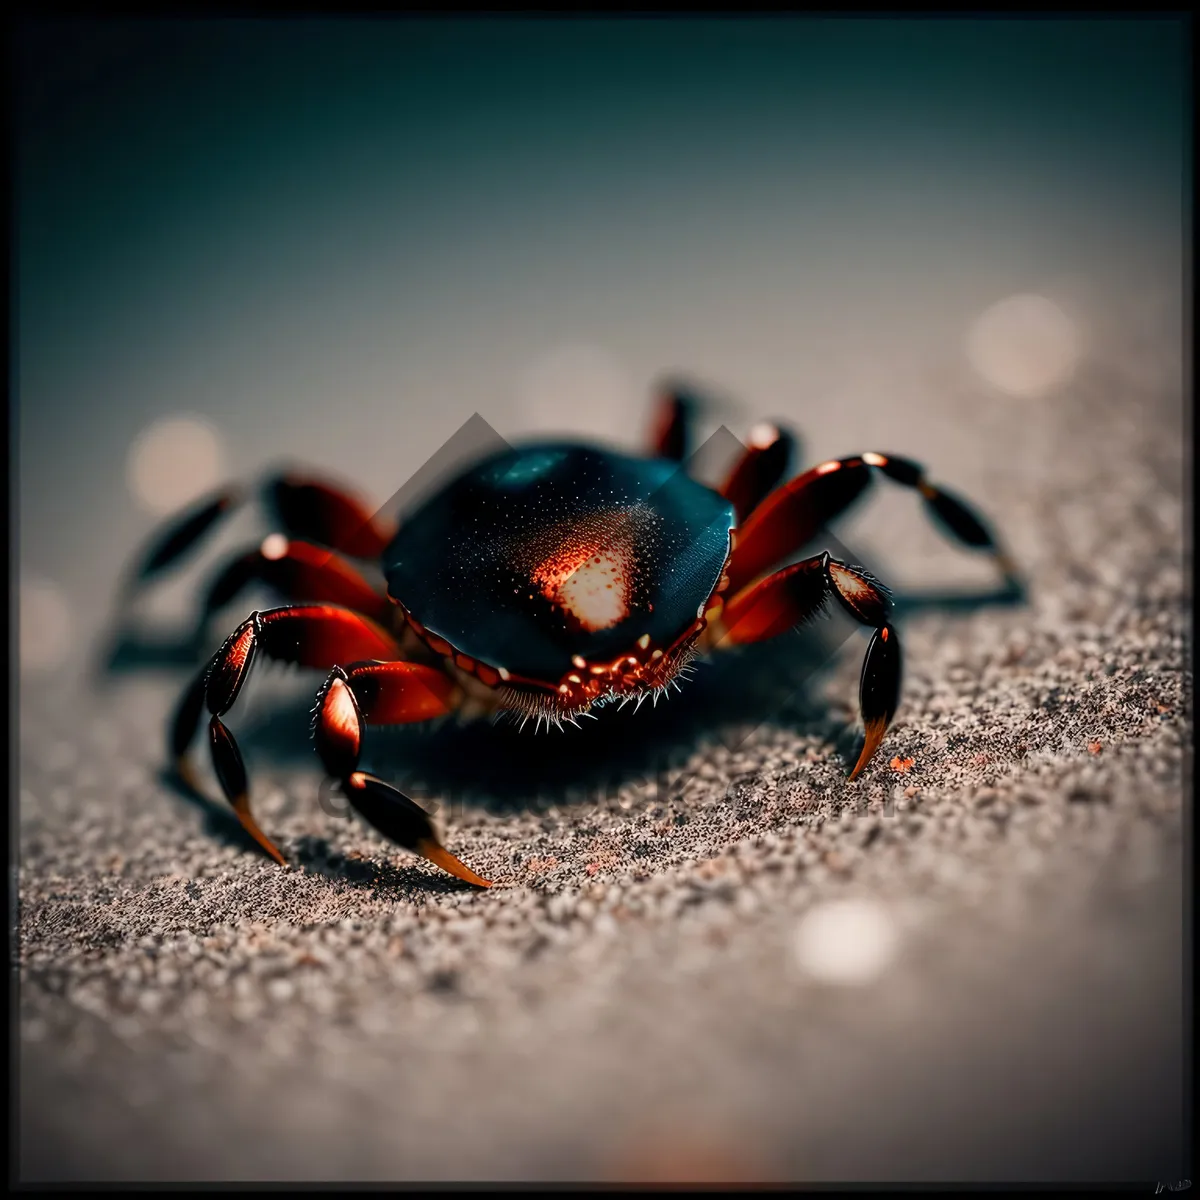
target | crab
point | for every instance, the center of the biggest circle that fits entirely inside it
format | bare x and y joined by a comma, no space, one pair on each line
547,581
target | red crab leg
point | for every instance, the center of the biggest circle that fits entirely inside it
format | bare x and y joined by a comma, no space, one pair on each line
299,571
306,508
392,693
797,594
321,512
315,636
765,461
792,515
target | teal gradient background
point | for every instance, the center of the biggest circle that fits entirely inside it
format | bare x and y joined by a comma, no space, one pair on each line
335,241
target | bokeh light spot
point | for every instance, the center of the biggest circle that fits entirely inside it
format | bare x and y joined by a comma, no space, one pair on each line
846,941
174,461
763,435
1024,345
274,547
45,618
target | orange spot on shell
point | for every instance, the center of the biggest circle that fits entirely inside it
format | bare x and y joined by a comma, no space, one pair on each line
587,574
903,765
1094,747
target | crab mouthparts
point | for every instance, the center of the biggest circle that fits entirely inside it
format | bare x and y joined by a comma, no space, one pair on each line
630,677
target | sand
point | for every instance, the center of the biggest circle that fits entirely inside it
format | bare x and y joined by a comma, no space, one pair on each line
710,957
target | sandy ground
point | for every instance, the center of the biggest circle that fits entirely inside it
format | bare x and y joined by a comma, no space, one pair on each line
669,985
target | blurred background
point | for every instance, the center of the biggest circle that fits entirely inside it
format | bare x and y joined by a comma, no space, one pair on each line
333,242
241,243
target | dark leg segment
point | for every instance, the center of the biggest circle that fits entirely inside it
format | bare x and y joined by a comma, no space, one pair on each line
306,508
321,512
793,514
674,416
391,693
231,771
186,531
797,594
316,636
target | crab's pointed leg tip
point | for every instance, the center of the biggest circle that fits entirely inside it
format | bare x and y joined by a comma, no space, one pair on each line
1012,576
441,857
185,773
272,850
874,735
241,806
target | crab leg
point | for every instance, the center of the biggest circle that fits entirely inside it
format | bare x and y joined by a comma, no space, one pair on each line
671,432
299,571
793,514
391,693
797,594
306,508
310,636
758,470
186,531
